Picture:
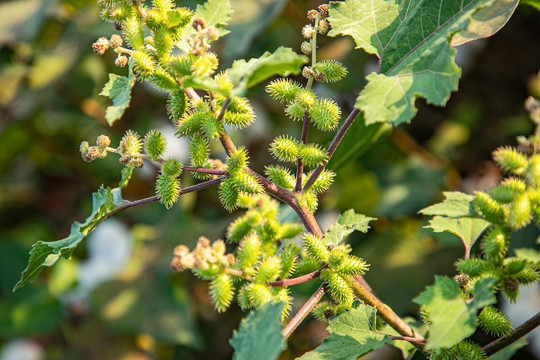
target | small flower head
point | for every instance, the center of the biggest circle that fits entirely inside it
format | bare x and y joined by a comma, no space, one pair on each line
103,141
121,61
308,31
323,27
306,48
116,41
323,10
212,33
312,15
308,72
101,45
198,24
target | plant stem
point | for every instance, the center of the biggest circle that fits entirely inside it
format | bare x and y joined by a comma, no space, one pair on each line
302,313
204,170
150,199
333,146
386,313
300,165
277,283
513,336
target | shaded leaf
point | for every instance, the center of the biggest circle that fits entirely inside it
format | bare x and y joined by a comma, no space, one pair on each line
245,74
358,139
44,253
467,228
118,89
259,335
456,204
411,40
351,336
486,22
250,18
509,351
348,222
452,317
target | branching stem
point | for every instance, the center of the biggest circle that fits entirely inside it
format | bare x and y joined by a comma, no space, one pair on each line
302,313
300,165
332,148
277,283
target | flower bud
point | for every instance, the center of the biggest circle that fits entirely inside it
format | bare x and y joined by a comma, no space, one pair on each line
198,23
306,48
308,31
121,61
101,45
116,41
312,15
320,77
323,9
323,27
103,141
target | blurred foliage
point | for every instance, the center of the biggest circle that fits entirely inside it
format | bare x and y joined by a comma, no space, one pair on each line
49,103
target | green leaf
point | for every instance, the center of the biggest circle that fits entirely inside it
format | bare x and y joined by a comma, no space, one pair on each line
104,201
467,228
205,83
348,222
508,352
118,89
259,336
533,3
486,22
358,139
411,40
452,317
531,255
456,204
245,74
351,336
215,13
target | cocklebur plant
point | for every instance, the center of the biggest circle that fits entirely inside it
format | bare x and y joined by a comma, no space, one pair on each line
171,48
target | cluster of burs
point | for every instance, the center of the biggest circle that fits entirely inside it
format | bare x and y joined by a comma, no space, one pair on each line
509,206
267,253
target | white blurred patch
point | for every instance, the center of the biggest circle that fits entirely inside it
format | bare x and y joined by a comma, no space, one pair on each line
109,249
22,349
526,306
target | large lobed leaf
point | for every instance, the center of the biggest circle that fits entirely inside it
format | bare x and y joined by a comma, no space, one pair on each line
351,336
453,318
456,215
411,38
104,201
259,336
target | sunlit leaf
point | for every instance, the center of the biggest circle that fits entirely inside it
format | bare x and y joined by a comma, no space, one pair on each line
456,204
351,336
411,40
118,89
452,317
486,22
45,253
467,228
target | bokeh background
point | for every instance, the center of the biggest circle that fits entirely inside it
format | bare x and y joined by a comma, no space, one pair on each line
117,298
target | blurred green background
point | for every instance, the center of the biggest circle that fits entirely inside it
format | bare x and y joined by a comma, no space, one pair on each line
117,298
